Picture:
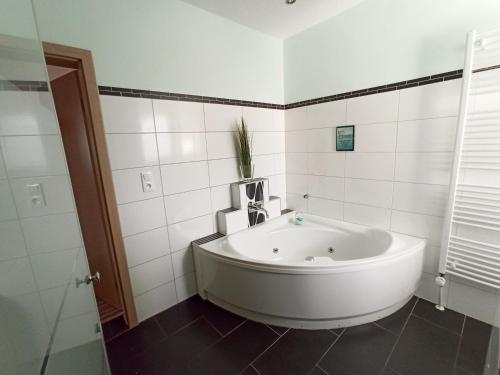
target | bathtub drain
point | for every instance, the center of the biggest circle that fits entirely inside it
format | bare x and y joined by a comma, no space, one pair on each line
275,250
331,250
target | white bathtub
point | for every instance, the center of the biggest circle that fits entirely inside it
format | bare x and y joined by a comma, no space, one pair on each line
321,274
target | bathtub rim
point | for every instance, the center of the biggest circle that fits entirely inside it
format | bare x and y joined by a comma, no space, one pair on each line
213,250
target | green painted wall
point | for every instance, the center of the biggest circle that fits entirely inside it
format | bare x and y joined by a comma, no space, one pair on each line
167,45
382,41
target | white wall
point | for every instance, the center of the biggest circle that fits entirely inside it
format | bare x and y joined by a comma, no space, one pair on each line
167,45
380,42
397,177
190,150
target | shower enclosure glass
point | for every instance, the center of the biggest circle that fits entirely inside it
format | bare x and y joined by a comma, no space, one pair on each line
48,325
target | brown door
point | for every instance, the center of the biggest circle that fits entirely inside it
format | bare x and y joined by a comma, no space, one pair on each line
68,102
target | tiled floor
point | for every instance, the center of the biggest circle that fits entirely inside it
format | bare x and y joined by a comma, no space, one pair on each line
196,337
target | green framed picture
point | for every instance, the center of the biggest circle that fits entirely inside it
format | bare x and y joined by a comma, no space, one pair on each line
345,138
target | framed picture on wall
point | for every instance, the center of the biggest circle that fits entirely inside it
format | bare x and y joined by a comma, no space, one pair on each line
345,138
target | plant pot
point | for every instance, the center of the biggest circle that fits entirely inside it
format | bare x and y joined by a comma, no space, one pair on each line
246,171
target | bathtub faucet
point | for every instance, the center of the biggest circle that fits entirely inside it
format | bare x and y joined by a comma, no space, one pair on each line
258,207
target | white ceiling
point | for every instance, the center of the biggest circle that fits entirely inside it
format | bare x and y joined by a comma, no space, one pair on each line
275,17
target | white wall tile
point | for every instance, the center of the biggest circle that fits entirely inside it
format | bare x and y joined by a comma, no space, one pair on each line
420,198
327,164
184,176
329,114
155,301
16,277
27,113
52,232
28,156
146,246
280,163
264,165
12,243
132,150
181,147
128,184
186,286
185,206
377,166
431,135
431,259
326,187
367,215
141,216
78,301
219,117
297,183
278,120
181,234
151,274
7,206
472,301
57,193
436,100
75,331
320,140
296,202
223,171
277,184
370,192
296,141
221,145
325,208
258,119
425,226
55,268
127,115
428,289
297,163
376,137
267,143
176,116
182,261
373,108
430,168
295,119
221,197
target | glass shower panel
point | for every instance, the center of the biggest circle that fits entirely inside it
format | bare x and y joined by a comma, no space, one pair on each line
47,324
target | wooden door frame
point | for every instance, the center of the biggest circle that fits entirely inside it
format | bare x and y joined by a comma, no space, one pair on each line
81,60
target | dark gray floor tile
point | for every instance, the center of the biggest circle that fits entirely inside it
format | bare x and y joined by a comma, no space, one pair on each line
396,321
136,340
425,349
360,350
390,371
181,314
296,352
337,331
236,351
223,320
114,328
474,346
172,355
448,319
317,371
461,371
279,330
249,371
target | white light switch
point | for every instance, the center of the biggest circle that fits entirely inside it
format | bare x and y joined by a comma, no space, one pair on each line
147,182
36,197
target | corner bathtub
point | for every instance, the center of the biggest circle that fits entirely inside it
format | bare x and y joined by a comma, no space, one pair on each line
321,274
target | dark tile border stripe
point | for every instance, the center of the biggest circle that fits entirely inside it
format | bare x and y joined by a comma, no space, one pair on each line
6,85
136,93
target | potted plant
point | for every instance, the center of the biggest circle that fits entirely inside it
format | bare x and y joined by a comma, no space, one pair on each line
245,151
